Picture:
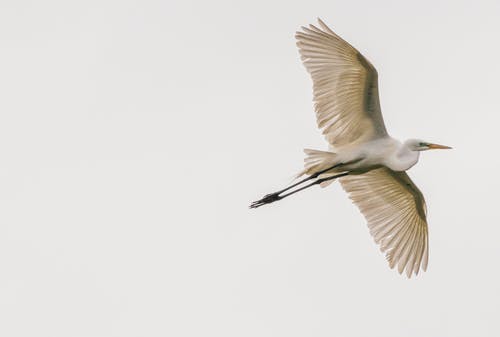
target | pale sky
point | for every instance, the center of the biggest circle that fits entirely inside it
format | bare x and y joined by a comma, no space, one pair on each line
134,135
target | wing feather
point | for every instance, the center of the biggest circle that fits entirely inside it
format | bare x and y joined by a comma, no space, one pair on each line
395,211
345,86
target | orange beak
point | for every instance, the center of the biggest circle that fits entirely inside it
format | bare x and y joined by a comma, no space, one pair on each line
437,146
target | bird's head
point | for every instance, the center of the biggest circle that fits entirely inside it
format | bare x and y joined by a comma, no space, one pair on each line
420,145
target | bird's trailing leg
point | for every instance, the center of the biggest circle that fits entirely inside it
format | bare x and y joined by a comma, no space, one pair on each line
272,197
269,198
312,176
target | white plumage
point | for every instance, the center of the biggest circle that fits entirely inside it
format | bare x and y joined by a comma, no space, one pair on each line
368,162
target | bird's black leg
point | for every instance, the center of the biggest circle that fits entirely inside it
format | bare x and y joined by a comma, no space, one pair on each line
269,198
312,176
272,197
319,181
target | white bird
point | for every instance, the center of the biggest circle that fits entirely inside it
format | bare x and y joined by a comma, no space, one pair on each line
369,163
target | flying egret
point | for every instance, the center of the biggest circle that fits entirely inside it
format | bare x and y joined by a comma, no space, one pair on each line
369,163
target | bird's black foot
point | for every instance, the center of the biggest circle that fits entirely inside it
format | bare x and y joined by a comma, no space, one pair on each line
266,200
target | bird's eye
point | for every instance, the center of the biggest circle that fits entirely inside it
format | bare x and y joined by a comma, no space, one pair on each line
422,144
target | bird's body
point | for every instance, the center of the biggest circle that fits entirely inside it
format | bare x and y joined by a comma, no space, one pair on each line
362,157
369,163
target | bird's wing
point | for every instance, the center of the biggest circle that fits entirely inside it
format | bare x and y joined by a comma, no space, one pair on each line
396,214
345,87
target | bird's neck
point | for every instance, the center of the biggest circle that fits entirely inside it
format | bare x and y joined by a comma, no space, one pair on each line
404,158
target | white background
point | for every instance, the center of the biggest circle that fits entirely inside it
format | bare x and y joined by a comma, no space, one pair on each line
134,135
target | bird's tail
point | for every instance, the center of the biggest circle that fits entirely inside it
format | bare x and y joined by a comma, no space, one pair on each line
316,161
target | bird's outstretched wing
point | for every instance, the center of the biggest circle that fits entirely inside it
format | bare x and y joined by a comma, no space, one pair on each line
345,87
396,214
